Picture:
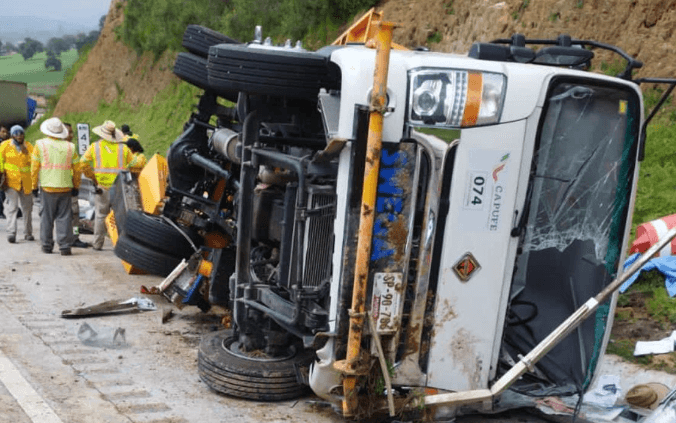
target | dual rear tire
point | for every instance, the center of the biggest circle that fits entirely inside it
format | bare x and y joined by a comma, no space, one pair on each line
216,62
153,245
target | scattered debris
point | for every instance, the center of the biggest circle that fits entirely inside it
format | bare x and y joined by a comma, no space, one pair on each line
605,393
663,346
132,305
103,338
665,265
184,286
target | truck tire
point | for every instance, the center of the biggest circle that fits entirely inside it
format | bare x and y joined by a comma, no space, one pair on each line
276,71
155,232
193,70
145,258
197,39
229,372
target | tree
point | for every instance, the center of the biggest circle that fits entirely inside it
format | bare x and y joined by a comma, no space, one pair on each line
102,21
69,40
82,39
57,45
52,62
29,47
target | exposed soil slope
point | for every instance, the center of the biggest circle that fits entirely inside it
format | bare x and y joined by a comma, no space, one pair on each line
113,69
642,28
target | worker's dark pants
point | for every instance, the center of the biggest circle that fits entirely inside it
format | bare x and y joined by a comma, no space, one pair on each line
102,208
56,210
75,206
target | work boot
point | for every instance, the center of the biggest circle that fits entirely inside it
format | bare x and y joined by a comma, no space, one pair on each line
11,239
29,238
46,250
66,252
80,244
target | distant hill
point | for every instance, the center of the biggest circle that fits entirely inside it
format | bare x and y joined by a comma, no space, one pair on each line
15,29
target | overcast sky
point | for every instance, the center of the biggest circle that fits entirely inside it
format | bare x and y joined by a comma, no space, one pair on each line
87,12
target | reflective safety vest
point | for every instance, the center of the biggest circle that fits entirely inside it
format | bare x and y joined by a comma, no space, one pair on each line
17,165
138,163
132,135
57,159
109,159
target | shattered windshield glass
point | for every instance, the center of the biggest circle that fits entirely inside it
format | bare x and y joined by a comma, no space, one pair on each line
577,207
578,166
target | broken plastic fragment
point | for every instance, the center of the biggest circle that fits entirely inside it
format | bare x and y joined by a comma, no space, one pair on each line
102,338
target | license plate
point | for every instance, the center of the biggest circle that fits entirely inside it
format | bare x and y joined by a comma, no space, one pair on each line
386,301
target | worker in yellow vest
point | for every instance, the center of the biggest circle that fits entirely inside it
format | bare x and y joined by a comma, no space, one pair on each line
127,133
102,161
15,161
53,170
4,135
75,205
140,160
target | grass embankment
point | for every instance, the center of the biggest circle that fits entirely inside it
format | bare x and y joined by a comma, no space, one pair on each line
647,297
158,124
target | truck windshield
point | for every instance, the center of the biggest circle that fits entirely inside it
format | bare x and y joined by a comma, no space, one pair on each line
577,213
584,150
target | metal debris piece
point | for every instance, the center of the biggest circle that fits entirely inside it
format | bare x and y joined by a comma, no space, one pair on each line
132,305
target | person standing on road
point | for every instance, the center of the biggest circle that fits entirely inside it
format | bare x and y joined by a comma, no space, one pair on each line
139,161
52,169
75,205
15,161
4,135
102,161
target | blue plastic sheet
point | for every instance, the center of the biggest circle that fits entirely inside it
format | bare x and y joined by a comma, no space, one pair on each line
31,105
665,265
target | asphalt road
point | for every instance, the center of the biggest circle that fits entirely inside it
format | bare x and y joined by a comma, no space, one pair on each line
50,374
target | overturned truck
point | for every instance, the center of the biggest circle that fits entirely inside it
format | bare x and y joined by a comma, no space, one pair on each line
396,228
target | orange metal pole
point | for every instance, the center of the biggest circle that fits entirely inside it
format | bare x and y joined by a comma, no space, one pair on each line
383,40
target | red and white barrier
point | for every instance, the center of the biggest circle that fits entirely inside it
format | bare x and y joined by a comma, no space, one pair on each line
647,234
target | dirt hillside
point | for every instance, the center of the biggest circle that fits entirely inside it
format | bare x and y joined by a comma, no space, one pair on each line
643,28
113,69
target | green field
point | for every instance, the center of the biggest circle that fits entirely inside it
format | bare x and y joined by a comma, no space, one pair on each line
33,72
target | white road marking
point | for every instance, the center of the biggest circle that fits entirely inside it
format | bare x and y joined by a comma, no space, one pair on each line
32,403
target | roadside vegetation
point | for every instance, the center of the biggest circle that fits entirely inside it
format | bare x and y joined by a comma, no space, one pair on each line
157,26
647,303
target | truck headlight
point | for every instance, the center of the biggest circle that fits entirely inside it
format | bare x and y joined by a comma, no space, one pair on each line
454,98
